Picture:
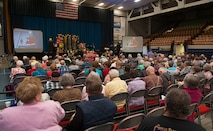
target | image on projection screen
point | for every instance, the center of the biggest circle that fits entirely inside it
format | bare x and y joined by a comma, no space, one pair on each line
132,44
27,40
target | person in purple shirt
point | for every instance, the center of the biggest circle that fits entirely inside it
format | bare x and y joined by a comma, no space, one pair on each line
134,85
33,115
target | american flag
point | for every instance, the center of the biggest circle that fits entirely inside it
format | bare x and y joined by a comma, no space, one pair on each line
67,11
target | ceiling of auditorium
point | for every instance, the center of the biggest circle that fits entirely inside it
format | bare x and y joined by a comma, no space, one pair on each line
111,4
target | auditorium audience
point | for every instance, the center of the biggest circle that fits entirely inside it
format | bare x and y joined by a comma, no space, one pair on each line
134,85
73,66
96,111
13,62
53,83
33,68
63,67
39,71
152,79
177,108
106,69
84,94
207,71
44,62
68,93
116,85
53,68
127,68
94,67
186,69
33,115
167,78
196,70
190,85
17,70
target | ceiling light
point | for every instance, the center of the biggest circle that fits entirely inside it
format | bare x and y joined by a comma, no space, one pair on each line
120,7
137,1
101,4
74,0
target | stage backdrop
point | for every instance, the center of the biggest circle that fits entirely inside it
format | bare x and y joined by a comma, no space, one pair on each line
88,32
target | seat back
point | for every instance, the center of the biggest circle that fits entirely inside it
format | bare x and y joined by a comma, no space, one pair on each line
127,80
81,86
103,127
207,99
130,122
80,80
193,108
154,91
152,98
156,112
135,95
51,92
42,77
69,106
120,97
121,112
171,87
18,79
202,83
73,74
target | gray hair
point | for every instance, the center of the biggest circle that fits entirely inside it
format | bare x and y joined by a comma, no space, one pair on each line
207,67
162,69
66,80
38,65
147,63
19,63
93,83
150,69
113,73
178,102
191,81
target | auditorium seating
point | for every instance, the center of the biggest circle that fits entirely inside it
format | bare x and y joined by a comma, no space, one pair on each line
205,38
185,31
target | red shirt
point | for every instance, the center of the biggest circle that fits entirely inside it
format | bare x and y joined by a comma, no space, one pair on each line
106,71
30,71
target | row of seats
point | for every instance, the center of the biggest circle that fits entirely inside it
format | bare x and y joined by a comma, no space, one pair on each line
186,31
204,39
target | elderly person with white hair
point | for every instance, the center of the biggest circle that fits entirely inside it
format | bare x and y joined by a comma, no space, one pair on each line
17,70
13,62
84,94
167,78
33,68
39,71
63,68
139,57
116,85
69,92
152,79
44,62
207,71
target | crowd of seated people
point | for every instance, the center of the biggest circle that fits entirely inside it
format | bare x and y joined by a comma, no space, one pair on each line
144,72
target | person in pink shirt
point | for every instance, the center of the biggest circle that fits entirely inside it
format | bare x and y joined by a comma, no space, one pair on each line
33,115
17,70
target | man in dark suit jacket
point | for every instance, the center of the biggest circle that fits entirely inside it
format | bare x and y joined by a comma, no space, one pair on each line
96,111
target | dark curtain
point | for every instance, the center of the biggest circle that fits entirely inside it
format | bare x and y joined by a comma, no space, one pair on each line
89,32
94,26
